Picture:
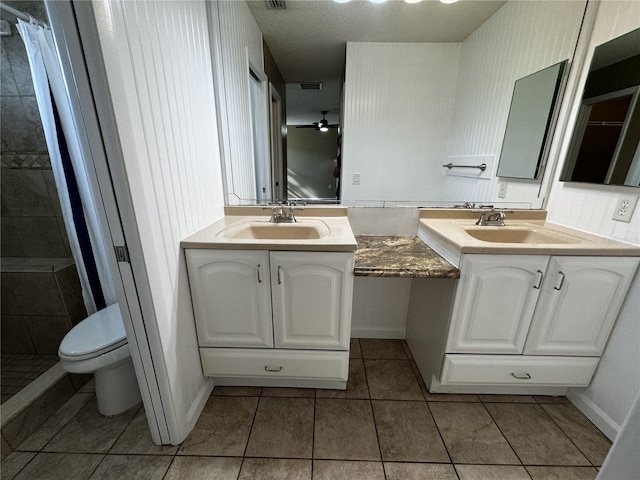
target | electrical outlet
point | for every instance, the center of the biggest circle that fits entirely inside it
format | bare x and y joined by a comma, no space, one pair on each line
624,208
502,193
356,179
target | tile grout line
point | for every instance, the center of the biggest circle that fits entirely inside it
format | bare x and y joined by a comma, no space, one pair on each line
253,421
567,435
502,433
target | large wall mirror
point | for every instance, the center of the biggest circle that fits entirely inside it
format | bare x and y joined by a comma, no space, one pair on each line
605,146
418,86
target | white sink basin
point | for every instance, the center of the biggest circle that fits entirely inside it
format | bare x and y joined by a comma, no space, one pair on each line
523,235
263,230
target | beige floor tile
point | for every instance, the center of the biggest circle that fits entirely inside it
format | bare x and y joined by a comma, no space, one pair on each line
275,468
38,439
136,438
344,430
392,380
470,434
60,466
341,470
13,463
356,385
354,348
591,442
237,391
491,472
283,428
223,427
288,392
419,471
407,432
89,431
439,397
132,467
204,468
535,438
507,398
382,349
562,473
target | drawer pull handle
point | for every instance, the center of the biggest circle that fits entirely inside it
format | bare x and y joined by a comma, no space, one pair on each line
271,368
279,278
521,376
537,286
259,277
561,281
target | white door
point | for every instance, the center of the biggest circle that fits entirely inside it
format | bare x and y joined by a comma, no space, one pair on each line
495,300
312,294
231,297
578,304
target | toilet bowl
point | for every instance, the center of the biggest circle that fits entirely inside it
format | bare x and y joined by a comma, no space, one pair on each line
98,345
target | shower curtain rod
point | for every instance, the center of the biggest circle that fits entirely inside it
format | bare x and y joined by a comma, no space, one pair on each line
21,15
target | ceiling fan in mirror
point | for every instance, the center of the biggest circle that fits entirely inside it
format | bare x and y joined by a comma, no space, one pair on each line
322,126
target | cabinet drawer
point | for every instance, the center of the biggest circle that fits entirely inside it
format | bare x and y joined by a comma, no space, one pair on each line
505,370
232,362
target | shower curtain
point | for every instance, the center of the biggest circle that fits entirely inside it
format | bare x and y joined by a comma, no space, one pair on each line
69,170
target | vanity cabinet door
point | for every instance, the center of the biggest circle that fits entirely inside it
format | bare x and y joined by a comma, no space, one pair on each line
312,296
578,305
231,297
495,301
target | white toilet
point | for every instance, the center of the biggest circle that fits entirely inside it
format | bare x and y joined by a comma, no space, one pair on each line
98,345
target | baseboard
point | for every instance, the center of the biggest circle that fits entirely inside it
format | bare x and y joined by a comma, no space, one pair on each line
198,404
594,413
393,333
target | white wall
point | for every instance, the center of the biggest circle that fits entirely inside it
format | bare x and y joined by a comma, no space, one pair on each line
519,39
589,207
158,64
239,42
397,115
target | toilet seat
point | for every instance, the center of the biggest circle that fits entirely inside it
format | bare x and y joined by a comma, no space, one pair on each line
102,332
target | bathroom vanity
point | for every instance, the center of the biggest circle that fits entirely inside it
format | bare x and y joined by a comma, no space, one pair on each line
272,301
532,311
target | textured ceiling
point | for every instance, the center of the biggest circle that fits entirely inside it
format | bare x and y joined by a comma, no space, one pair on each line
308,39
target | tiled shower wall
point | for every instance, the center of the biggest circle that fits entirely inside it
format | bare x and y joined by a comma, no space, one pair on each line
41,296
31,216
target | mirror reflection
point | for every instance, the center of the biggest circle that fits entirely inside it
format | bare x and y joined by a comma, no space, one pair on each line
605,147
414,87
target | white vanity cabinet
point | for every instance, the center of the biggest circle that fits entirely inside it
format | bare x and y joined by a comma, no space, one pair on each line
274,315
532,319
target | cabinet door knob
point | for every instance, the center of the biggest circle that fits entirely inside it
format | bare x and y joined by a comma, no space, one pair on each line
272,368
537,285
521,376
561,281
259,277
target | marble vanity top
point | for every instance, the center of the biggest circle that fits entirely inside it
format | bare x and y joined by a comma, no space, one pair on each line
460,233
324,229
406,256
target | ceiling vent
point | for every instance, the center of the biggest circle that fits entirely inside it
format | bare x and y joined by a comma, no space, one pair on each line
311,86
276,4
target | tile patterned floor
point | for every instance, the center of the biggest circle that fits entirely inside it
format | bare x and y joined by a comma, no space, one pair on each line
385,426
19,370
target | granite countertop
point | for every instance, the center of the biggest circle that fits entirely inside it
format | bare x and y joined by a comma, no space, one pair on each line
389,256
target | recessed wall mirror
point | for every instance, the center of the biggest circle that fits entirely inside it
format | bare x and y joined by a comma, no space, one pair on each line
411,87
605,146
530,123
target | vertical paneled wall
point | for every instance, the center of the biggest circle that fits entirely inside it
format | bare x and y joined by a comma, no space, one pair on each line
521,38
158,63
240,41
397,114
589,208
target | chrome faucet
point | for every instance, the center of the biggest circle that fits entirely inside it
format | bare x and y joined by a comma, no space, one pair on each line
494,217
283,212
